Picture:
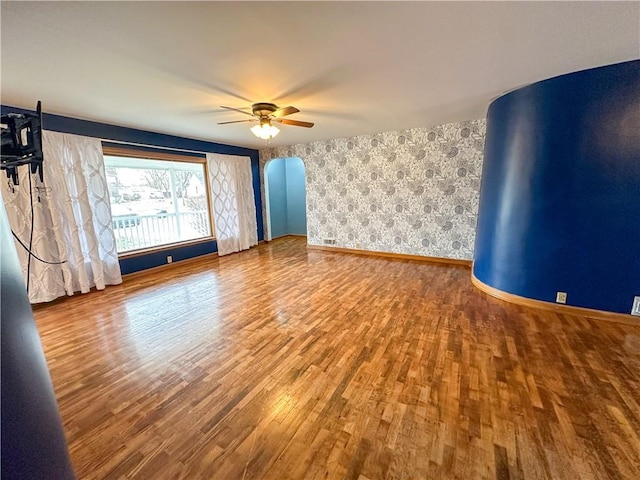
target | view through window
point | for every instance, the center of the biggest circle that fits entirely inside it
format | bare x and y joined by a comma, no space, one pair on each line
157,202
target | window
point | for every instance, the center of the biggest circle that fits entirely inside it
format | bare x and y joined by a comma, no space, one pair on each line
157,199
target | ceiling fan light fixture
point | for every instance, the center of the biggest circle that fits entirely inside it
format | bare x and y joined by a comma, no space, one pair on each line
265,131
265,113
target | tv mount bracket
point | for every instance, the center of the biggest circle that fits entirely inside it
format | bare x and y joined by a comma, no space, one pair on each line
21,135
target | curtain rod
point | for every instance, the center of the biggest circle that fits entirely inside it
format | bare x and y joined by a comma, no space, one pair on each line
157,147
135,144
203,154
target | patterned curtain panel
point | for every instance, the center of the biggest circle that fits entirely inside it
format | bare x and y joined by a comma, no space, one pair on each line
234,209
71,217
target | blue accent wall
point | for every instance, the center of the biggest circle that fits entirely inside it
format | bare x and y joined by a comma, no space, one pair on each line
276,188
58,123
296,196
285,188
560,196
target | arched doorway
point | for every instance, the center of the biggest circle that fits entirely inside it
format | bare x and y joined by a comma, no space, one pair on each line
285,196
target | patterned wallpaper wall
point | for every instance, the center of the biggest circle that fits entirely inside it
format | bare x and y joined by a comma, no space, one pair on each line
413,191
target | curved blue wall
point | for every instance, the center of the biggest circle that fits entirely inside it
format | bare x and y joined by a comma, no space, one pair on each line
560,197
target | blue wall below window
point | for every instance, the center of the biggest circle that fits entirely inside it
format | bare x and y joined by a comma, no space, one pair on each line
154,259
560,194
58,123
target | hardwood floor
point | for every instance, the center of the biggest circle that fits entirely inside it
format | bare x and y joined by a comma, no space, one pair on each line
283,363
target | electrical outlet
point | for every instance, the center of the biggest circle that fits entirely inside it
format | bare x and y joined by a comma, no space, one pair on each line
169,259
329,241
561,297
635,310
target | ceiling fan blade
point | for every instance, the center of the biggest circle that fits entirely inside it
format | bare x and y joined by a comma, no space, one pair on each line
283,112
296,123
237,121
237,110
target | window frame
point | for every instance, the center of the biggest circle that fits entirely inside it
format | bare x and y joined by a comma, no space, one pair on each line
132,152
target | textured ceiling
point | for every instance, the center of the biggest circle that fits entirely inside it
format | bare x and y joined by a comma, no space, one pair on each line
350,67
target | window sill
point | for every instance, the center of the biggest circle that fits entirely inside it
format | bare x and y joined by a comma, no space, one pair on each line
162,248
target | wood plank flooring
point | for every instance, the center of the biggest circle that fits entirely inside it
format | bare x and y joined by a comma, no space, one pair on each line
283,363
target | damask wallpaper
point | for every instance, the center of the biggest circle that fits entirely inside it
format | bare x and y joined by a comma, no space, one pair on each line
413,191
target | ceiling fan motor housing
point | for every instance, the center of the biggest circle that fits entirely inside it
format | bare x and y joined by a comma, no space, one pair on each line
267,112
263,109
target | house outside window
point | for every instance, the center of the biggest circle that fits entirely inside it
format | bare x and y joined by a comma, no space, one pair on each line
157,199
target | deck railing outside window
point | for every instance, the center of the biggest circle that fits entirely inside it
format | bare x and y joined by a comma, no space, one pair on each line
143,231
156,202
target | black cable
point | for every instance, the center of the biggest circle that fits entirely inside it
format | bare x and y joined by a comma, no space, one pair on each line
33,254
30,234
29,249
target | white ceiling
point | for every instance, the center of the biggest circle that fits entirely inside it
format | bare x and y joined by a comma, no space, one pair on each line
351,67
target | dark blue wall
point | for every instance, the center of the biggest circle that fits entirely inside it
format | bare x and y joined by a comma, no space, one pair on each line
560,197
105,131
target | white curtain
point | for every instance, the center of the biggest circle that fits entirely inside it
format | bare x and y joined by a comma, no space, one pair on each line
72,219
234,209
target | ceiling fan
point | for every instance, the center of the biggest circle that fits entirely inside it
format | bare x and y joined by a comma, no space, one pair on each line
265,113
